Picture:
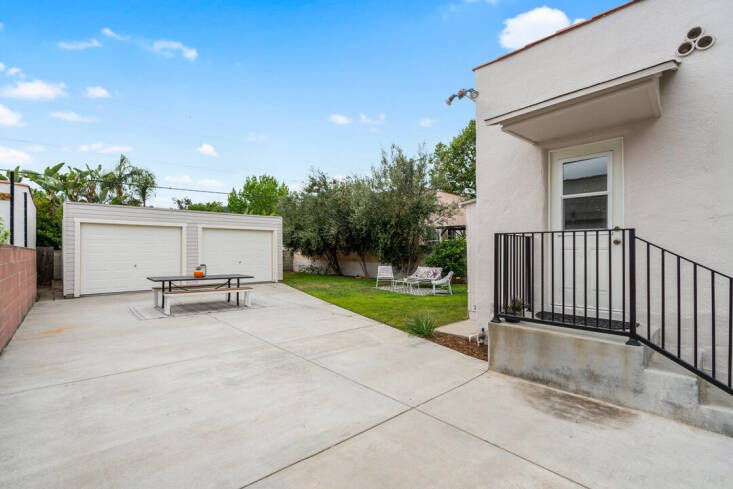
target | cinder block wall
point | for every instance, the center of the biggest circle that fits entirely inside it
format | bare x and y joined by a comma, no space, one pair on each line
17,288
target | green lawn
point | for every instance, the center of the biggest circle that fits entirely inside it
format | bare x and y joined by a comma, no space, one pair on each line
360,296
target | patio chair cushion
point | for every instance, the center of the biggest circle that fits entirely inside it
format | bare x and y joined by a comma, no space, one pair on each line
427,273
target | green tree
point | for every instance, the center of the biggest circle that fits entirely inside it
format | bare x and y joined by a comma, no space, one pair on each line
52,183
450,256
48,222
259,195
454,165
17,176
405,208
354,217
187,204
311,222
116,179
142,184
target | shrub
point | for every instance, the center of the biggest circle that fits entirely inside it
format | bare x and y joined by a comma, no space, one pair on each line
450,256
421,325
4,234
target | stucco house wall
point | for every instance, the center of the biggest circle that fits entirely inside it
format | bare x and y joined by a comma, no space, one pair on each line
677,171
23,193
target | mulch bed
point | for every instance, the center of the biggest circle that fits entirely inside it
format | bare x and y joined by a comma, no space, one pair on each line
461,345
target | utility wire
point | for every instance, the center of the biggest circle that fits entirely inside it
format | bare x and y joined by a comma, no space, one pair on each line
168,163
26,173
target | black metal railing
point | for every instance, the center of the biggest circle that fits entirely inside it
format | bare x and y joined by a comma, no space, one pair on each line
591,279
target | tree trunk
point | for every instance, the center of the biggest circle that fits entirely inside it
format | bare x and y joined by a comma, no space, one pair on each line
362,262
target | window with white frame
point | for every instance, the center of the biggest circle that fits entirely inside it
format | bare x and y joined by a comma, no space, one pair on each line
585,193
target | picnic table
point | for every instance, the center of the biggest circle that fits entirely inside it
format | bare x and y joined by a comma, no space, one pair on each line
171,285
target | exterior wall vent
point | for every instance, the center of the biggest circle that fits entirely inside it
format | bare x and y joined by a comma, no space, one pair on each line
695,39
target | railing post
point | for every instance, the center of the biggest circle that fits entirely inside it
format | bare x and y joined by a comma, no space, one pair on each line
12,207
496,318
632,289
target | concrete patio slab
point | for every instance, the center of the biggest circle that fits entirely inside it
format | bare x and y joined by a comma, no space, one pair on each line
391,361
219,421
296,392
79,343
462,329
417,451
593,443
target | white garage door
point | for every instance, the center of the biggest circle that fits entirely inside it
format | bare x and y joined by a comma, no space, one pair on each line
247,252
118,258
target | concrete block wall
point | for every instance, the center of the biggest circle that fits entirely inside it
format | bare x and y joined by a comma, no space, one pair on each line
17,288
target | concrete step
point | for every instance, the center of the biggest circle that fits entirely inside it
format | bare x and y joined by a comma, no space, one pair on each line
714,396
717,418
672,389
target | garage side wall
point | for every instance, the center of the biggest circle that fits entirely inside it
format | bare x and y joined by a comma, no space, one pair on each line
74,211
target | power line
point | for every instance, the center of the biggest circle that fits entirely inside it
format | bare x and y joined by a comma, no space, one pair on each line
26,173
160,162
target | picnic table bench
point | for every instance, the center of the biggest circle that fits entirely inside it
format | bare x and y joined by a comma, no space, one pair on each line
172,287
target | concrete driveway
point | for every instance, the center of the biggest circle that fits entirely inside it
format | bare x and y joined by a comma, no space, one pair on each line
295,392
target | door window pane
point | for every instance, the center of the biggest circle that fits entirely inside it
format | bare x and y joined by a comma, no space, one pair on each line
586,212
584,176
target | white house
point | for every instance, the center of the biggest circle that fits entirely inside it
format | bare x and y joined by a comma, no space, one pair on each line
604,154
24,225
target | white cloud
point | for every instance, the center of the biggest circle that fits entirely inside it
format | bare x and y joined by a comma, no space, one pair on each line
79,45
339,119
15,71
2,66
169,49
102,148
531,26
35,148
10,156
34,90
72,117
207,149
372,122
178,179
210,182
110,33
10,118
426,122
254,137
96,92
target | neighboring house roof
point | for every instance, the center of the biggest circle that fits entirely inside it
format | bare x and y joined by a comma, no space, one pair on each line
561,31
7,182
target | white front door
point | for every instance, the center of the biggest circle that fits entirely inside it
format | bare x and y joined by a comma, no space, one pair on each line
245,251
586,201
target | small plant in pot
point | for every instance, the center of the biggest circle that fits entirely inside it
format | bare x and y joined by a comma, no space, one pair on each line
198,272
514,308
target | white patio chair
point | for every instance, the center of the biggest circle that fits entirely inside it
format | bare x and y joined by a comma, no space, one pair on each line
384,272
443,284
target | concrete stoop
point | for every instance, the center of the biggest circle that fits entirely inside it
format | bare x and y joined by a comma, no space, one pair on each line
604,367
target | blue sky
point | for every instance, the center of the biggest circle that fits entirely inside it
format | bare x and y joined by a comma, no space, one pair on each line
205,94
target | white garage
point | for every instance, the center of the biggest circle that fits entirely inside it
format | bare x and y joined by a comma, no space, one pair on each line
109,249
